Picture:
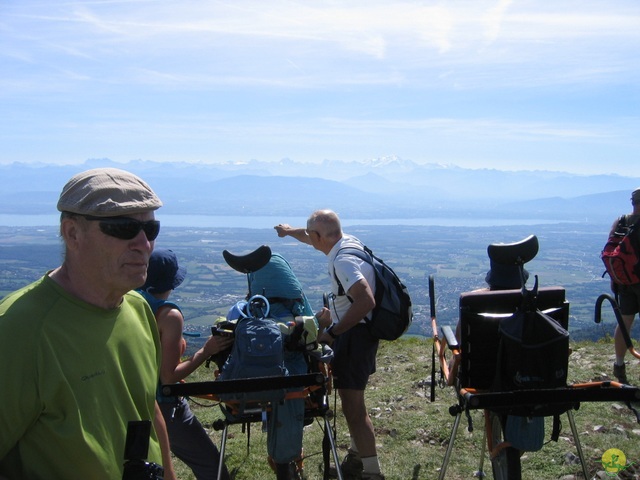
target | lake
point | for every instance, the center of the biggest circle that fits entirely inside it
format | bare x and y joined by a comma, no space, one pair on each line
257,222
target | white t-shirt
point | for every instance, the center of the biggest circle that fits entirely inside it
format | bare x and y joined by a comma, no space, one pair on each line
349,269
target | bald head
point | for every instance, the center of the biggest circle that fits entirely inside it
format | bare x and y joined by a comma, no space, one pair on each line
326,223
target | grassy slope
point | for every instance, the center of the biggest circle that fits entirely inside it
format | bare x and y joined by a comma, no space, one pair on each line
412,432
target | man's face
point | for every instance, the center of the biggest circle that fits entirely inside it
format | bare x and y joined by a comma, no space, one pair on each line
314,236
115,264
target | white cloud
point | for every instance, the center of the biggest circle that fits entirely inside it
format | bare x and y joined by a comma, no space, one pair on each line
352,74
494,19
331,41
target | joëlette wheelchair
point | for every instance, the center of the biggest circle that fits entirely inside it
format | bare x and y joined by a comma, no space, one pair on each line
469,364
260,396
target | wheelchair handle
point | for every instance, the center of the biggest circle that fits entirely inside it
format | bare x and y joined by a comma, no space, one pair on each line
432,305
616,311
258,302
432,299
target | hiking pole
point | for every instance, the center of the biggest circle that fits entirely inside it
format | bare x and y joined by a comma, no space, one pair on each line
434,328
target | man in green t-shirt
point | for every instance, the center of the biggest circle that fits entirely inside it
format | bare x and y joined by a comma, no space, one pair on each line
80,350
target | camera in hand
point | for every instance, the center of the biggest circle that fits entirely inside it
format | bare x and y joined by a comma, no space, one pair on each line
136,451
224,328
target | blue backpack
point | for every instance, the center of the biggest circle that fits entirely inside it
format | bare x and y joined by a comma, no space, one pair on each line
258,351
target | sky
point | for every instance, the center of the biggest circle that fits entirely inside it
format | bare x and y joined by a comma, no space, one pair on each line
513,85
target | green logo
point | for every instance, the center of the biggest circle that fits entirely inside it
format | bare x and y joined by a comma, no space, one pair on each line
614,461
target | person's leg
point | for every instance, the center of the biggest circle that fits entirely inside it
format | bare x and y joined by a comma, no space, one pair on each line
358,421
620,348
190,442
619,345
286,426
353,362
360,429
628,301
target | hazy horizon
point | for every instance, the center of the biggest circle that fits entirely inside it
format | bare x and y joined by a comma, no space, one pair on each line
376,192
268,221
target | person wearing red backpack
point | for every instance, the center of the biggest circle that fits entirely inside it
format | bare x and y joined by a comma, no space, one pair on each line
628,297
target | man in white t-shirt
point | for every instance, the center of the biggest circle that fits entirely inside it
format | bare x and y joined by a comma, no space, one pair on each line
354,347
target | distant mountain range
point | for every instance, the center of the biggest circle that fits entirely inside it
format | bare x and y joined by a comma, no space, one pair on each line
381,188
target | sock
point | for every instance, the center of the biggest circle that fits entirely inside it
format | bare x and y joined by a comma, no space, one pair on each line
619,360
371,464
353,449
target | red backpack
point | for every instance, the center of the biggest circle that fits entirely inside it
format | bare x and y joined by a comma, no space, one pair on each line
620,254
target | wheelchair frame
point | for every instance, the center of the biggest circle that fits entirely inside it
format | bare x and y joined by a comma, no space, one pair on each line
480,397
262,392
259,407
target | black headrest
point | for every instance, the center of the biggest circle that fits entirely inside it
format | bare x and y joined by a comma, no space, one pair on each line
517,253
250,262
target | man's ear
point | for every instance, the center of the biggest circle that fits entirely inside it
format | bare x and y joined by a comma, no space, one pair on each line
71,231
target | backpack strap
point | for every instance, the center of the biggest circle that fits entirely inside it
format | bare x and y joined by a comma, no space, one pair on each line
361,254
630,228
341,290
364,255
623,221
156,303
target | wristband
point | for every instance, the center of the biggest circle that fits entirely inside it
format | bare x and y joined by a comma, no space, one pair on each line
330,331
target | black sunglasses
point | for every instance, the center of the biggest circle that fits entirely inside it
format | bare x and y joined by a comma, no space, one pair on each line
126,228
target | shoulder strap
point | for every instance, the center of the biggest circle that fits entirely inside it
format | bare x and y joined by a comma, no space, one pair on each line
364,255
628,228
156,303
623,221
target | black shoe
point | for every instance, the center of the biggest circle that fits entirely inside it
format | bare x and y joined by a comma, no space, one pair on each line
372,476
620,372
351,467
287,471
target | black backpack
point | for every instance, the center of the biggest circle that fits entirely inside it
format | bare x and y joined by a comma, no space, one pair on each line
533,350
533,353
393,313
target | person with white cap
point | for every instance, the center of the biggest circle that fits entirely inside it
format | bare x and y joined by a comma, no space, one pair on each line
81,347
628,297
188,439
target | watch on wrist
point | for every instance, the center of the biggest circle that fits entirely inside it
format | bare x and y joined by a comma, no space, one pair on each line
330,332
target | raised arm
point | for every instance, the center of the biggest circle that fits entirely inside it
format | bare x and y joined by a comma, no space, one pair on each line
298,233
